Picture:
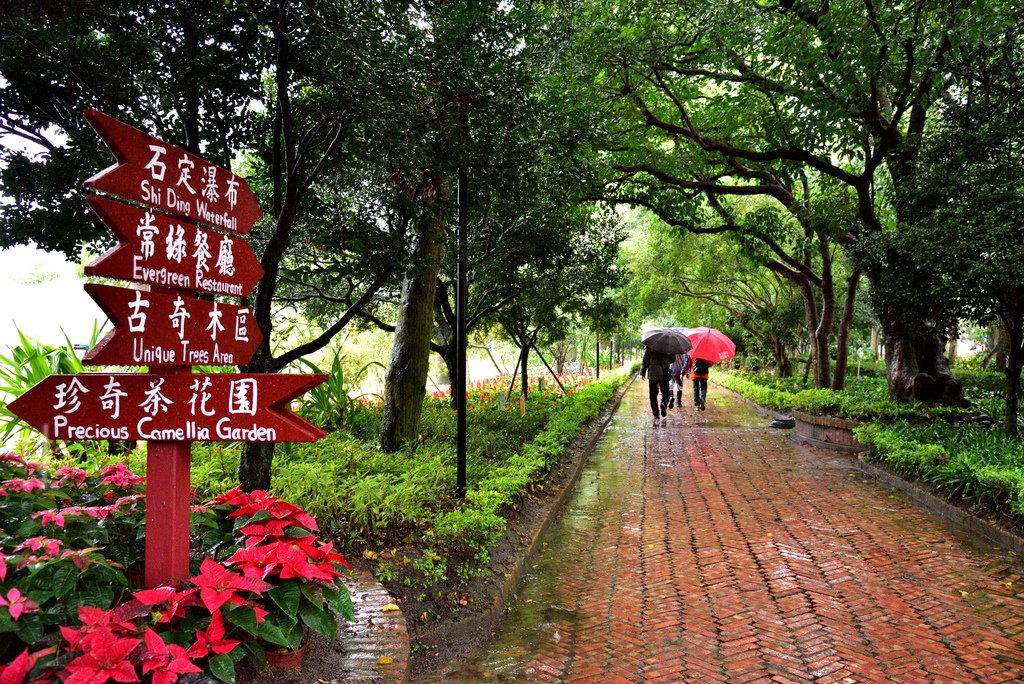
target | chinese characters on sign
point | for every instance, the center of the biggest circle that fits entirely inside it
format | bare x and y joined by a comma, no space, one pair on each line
156,329
157,249
205,407
161,246
150,171
170,330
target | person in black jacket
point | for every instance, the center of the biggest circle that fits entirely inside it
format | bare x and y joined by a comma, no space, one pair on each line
656,367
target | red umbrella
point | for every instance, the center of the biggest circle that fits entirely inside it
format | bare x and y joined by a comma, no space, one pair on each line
710,344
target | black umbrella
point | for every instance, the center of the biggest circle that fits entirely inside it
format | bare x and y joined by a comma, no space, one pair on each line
666,340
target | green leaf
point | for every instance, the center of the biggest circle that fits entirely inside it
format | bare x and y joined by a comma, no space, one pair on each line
243,616
345,607
96,596
312,592
256,654
268,631
29,528
223,667
65,579
296,636
340,601
287,598
319,620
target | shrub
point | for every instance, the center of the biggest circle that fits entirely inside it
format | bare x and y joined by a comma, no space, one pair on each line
972,463
67,607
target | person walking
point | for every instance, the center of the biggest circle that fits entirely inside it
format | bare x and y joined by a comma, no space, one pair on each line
656,367
675,383
699,371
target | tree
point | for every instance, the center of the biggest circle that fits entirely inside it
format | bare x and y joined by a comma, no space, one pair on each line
965,206
493,108
296,87
181,69
759,97
565,286
711,280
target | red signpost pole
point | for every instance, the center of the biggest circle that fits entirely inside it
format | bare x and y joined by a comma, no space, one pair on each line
167,511
168,330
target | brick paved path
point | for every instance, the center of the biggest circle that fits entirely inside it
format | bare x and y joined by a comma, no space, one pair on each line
711,549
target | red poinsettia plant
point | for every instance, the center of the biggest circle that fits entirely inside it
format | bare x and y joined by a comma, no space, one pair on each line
68,612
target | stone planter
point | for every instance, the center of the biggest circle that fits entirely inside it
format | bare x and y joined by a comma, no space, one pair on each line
826,432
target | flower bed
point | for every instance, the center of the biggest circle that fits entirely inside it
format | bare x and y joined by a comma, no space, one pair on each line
71,540
863,399
969,463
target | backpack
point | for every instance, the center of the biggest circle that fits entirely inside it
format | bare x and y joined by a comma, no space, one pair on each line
700,368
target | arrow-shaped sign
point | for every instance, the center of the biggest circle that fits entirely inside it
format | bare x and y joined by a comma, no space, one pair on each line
156,329
207,407
153,172
160,250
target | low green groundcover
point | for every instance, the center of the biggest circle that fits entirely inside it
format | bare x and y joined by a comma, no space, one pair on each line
973,463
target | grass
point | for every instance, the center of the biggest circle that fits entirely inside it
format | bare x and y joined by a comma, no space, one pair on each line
399,509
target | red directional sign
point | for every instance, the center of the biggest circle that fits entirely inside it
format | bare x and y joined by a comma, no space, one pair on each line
153,172
155,329
204,407
160,250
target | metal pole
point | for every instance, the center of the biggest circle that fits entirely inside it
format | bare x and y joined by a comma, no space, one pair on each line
597,334
461,300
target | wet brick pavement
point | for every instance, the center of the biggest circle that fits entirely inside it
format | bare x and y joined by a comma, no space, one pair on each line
711,549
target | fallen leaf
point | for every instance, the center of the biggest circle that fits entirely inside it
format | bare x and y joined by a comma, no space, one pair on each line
389,608
385,660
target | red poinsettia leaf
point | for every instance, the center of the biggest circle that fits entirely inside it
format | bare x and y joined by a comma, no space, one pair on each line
72,636
181,663
16,671
123,672
152,597
154,644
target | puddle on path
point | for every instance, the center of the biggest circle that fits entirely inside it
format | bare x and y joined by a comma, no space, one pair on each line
613,474
549,624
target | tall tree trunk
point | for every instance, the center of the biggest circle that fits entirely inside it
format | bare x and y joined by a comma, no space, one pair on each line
818,334
875,342
405,381
1000,347
254,465
783,364
915,365
843,336
444,333
1014,362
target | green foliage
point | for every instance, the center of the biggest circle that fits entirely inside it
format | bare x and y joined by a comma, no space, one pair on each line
332,404
973,463
385,502
21,367
865,398
66,539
